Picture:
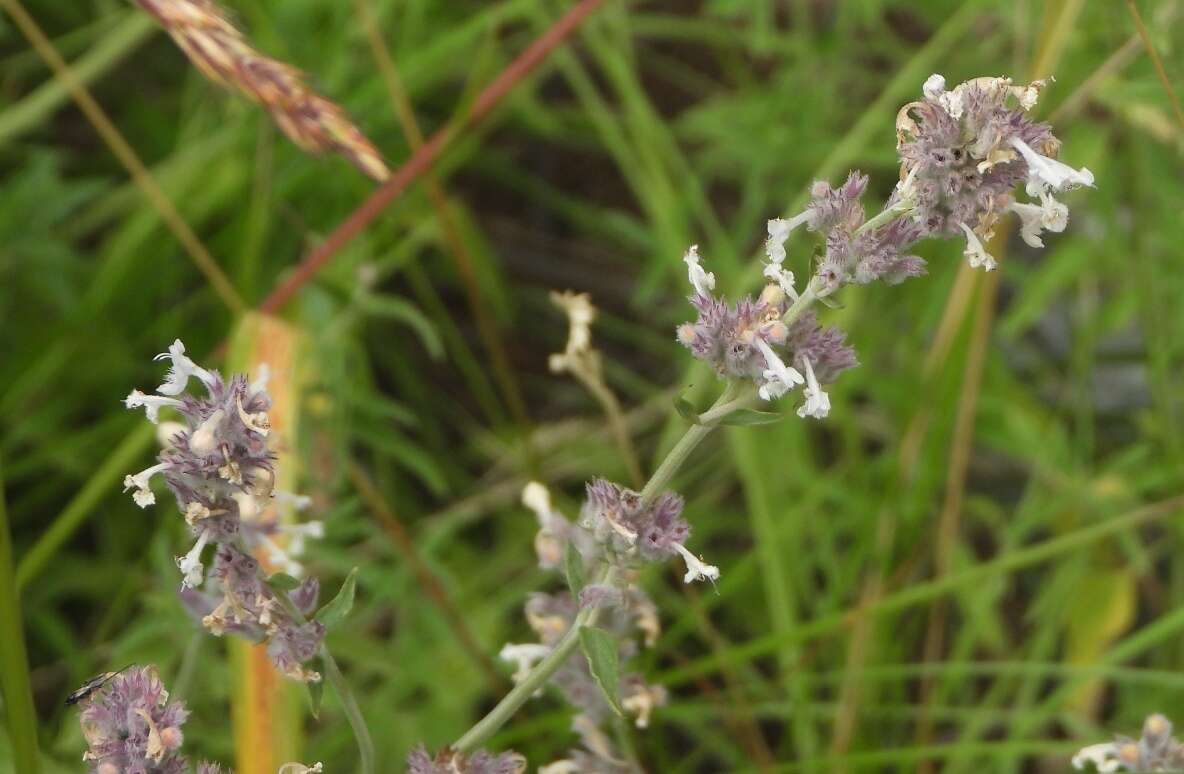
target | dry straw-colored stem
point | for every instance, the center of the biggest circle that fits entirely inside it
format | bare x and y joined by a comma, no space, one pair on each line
216,47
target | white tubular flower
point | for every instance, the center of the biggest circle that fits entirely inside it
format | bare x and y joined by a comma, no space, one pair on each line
779,378
817,403
141,482
178,376
205,438
975,252
1104,758
152,404
536,497
525,655
934,86
1045,173
192,570
280,558
1050,215
697,569
702,281
562,766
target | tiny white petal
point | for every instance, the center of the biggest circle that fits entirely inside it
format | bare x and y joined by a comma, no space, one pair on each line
1045,173
817,403
1104,758
697,569
779,378
192,570
536,497
702,281
152,404
975,252
525,655
934,86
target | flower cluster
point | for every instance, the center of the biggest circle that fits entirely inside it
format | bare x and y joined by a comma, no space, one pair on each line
746,341
1155,750
616,529
221,470
964,150
447,761
131,726
962,154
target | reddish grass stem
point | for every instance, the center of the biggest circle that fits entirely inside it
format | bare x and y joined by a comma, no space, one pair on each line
422,159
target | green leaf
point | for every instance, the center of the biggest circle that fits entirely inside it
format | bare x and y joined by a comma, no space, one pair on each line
686,410
600,648
573,566
316,691
831,303
748,417
281,581
335,611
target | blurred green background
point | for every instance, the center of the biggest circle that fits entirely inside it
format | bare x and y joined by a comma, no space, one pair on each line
970,564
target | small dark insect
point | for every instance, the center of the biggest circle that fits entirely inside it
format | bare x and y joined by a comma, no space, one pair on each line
92,685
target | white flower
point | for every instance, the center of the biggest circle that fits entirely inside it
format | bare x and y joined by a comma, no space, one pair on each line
1050,215
934,86
1045,173
1104,757
697,569
562,766
779,378
141,482
178,376
536,497
703,281
817,403
934,89
151,403
975,252
525,655
204,440
192,570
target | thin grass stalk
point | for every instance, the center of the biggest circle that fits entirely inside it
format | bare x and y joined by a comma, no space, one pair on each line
39,105
127,156
922,593
14,661
423,159
487,326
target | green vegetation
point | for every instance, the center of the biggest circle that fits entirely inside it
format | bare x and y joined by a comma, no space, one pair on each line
970,562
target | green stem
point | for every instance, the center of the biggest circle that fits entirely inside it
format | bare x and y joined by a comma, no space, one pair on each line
727,402
14,662
889,214
521,693
353,713
349,704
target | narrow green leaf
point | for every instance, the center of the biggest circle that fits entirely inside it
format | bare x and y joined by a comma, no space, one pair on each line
573,565
281,581
686,410
335,611
748,417
600,648
316,691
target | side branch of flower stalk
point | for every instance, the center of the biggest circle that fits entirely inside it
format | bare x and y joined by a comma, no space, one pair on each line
730,400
